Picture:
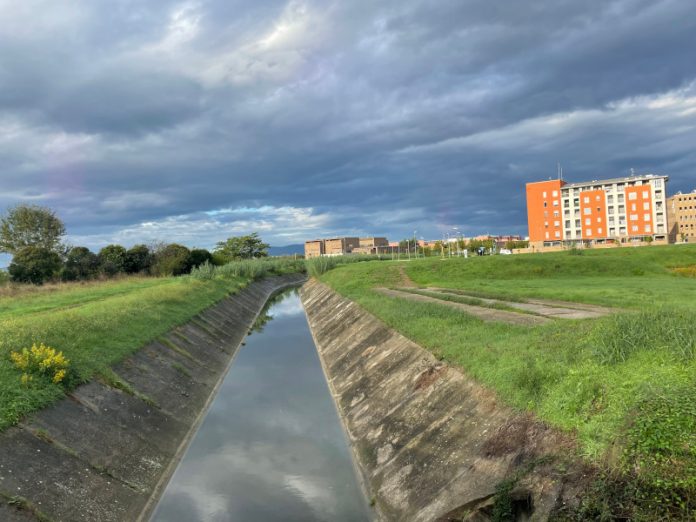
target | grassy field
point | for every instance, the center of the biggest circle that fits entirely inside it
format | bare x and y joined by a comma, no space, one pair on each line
97,324
625,384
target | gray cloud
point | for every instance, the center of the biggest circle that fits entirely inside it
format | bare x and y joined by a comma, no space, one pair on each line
357,116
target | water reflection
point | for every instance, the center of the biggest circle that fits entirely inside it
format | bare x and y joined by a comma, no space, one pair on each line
271,447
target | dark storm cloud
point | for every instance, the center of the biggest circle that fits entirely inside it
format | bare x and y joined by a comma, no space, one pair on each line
188,120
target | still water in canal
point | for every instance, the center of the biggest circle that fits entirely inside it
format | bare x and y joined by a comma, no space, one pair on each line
271,447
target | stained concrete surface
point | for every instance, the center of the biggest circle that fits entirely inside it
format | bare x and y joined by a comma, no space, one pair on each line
547,308
105,455
432,444
481,312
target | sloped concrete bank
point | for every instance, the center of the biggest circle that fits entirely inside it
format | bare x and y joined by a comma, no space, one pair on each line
431,443
104,454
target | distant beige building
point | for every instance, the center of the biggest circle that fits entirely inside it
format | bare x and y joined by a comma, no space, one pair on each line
372,245
337,246
314,248
681,217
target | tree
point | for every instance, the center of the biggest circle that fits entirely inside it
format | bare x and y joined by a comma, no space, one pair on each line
80,264
112,259
30,225
170,260
242,247
33,264
199,256
138,259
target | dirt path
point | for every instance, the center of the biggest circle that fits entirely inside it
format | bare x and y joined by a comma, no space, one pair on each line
486,314
547,308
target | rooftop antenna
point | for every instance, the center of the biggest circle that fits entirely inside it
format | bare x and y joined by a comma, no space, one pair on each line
559,170
633,172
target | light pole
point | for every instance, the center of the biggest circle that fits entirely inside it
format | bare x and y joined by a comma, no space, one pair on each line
408,248
415,245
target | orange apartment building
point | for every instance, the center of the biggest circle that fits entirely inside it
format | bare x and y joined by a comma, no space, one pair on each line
681,215
597,212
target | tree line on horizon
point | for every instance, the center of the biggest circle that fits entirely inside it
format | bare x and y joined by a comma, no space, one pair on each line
33,236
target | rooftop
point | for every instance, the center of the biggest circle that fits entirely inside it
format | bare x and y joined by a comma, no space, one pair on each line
626,179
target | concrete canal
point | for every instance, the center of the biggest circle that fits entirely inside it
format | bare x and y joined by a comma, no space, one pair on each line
271,446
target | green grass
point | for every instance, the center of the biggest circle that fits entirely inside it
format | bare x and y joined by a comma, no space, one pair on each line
95,326
98,324
625,384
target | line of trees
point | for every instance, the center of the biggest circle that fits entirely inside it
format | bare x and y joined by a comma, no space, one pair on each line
33,236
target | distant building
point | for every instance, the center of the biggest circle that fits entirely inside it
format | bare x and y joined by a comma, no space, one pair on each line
337,246
314,248
681,216
372,245
611,211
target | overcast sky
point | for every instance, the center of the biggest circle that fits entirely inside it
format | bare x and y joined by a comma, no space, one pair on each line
194,121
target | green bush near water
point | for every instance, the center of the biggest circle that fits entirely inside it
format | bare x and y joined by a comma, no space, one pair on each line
249,268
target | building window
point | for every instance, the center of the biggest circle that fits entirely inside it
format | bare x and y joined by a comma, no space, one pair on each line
633,217
646,206
633,207
599,230
599,220
555,193
543,194
588,221
556,223
588,231
545,204
646,217
610,198
646,194
648,228
587,211
634,228
557,234
547,235
555,202
555,213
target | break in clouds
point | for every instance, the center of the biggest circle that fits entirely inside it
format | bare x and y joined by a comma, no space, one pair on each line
193,121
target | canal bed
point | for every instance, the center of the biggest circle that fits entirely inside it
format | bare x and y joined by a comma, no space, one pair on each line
271,447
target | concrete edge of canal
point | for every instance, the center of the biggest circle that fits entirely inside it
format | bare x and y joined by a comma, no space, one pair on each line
105,454
430,442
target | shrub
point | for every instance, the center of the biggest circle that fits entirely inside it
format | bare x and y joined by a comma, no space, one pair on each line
80,264
112,259
199,256
34,265
138,259
250,269
172,259
41,361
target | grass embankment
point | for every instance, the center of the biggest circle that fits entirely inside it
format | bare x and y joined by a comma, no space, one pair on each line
98,324
626,384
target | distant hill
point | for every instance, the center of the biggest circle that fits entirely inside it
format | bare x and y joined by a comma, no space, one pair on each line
287,250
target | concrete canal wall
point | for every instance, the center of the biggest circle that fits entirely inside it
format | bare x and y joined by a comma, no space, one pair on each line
431,443
104,454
